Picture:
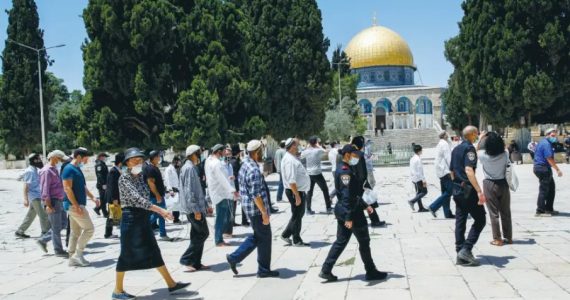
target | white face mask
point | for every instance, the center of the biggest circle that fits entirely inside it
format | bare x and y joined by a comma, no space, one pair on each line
136,170
58,165
353,161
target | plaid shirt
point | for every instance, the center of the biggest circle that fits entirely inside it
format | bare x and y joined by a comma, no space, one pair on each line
251,186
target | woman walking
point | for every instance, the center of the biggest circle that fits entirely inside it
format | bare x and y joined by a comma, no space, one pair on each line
495,160
139,249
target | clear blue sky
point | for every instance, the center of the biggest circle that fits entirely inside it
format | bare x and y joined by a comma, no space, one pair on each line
425,25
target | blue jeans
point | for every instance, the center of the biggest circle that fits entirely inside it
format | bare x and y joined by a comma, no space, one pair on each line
280,188
58,221
222,219
443,200
154,216
261,239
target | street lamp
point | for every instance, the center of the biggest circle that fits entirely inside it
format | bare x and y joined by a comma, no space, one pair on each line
41,92
341,62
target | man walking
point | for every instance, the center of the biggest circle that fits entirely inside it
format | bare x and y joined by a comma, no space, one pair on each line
350,218
221,191
75,200
52,196
279,154
101,172
442,162
543,165
314,155
155,182
468,196
171,179
296,182
32,195
256,205
193,203
112,195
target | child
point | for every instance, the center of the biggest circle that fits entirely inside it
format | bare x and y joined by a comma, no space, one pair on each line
418,179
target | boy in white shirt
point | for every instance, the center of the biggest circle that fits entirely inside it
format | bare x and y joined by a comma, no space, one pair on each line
418,179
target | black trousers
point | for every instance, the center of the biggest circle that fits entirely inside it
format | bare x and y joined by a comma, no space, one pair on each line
103,201
297,213
108,227
546,189
467,205
199,232
320,180
343,235
260,240
421,191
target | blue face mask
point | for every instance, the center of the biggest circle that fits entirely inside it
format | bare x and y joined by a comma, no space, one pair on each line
353,161
124,169
80,165
552,139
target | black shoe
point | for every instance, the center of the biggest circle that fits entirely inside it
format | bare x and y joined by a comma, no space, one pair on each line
461,262
301,244
246,224
411,203
62,254
178,222
452,216
43,245
329,210
268,274
432,212
97,210
467,256
287,241
378,224
233,266
310,212
22,235
273,210
423,210
155,226
376,275
177,287
552,212
329,277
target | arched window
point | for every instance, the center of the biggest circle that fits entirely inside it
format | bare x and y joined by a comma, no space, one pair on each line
386,104
424,106
365,106
404,105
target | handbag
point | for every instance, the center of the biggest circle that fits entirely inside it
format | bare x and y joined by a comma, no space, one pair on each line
511,176
115,213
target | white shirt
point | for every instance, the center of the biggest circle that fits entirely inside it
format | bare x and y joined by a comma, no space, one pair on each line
416,169
292,171
313,156
171,178
333,154
219,185
442,158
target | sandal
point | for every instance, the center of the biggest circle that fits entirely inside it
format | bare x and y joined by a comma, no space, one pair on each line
497,242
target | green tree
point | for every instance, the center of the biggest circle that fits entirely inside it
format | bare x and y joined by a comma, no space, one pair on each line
19,96
340,57
290,71
511,61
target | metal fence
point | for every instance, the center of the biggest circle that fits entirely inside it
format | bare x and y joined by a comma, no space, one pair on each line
393,156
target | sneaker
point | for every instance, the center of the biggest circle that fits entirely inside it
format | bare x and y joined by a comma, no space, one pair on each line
122,296
22,235
432,212
411,203
376,275
43,245
233,266
177,287
76,262
467,256
287,240
378,224
62,254
268,274
328,276
301,244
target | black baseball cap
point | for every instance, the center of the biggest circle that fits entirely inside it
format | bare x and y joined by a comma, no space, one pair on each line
153,154
348,149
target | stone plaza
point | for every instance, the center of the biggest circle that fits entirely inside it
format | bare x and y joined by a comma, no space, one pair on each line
416,249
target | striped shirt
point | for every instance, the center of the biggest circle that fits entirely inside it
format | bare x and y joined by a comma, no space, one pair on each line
313,156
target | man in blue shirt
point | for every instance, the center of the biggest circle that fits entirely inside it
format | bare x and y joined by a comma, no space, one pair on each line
257,207
76,193
32,197
543,164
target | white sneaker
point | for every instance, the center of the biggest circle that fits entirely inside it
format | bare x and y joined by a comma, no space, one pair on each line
78,261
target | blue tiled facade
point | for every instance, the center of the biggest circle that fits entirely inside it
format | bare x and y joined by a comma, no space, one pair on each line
382,76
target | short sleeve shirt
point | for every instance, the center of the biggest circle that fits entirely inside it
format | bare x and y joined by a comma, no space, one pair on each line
544,151
74,173
32,178
464,155
153,172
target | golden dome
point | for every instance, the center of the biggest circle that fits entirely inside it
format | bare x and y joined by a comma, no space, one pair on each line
379,46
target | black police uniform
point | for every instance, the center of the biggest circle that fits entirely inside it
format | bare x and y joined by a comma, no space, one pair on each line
362,173
101,171
350,207
465,197
112,193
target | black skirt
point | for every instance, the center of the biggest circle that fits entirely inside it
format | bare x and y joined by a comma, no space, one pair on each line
139,249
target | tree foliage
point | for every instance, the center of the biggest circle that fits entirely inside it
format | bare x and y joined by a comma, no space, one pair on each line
511,60
20,130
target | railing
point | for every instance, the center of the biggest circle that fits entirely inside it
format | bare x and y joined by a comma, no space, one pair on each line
392,156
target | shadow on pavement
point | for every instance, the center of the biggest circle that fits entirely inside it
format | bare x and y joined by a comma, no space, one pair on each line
284,273
319,244
524,242
163,294
362,277
103,263
99,245
498,261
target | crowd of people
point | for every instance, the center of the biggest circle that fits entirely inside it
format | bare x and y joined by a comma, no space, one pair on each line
135,192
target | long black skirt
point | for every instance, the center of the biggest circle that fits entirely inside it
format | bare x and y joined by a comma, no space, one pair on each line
139,249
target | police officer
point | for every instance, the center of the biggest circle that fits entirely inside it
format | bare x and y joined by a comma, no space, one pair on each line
112,195
101,171
468,196
349,212
362,173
